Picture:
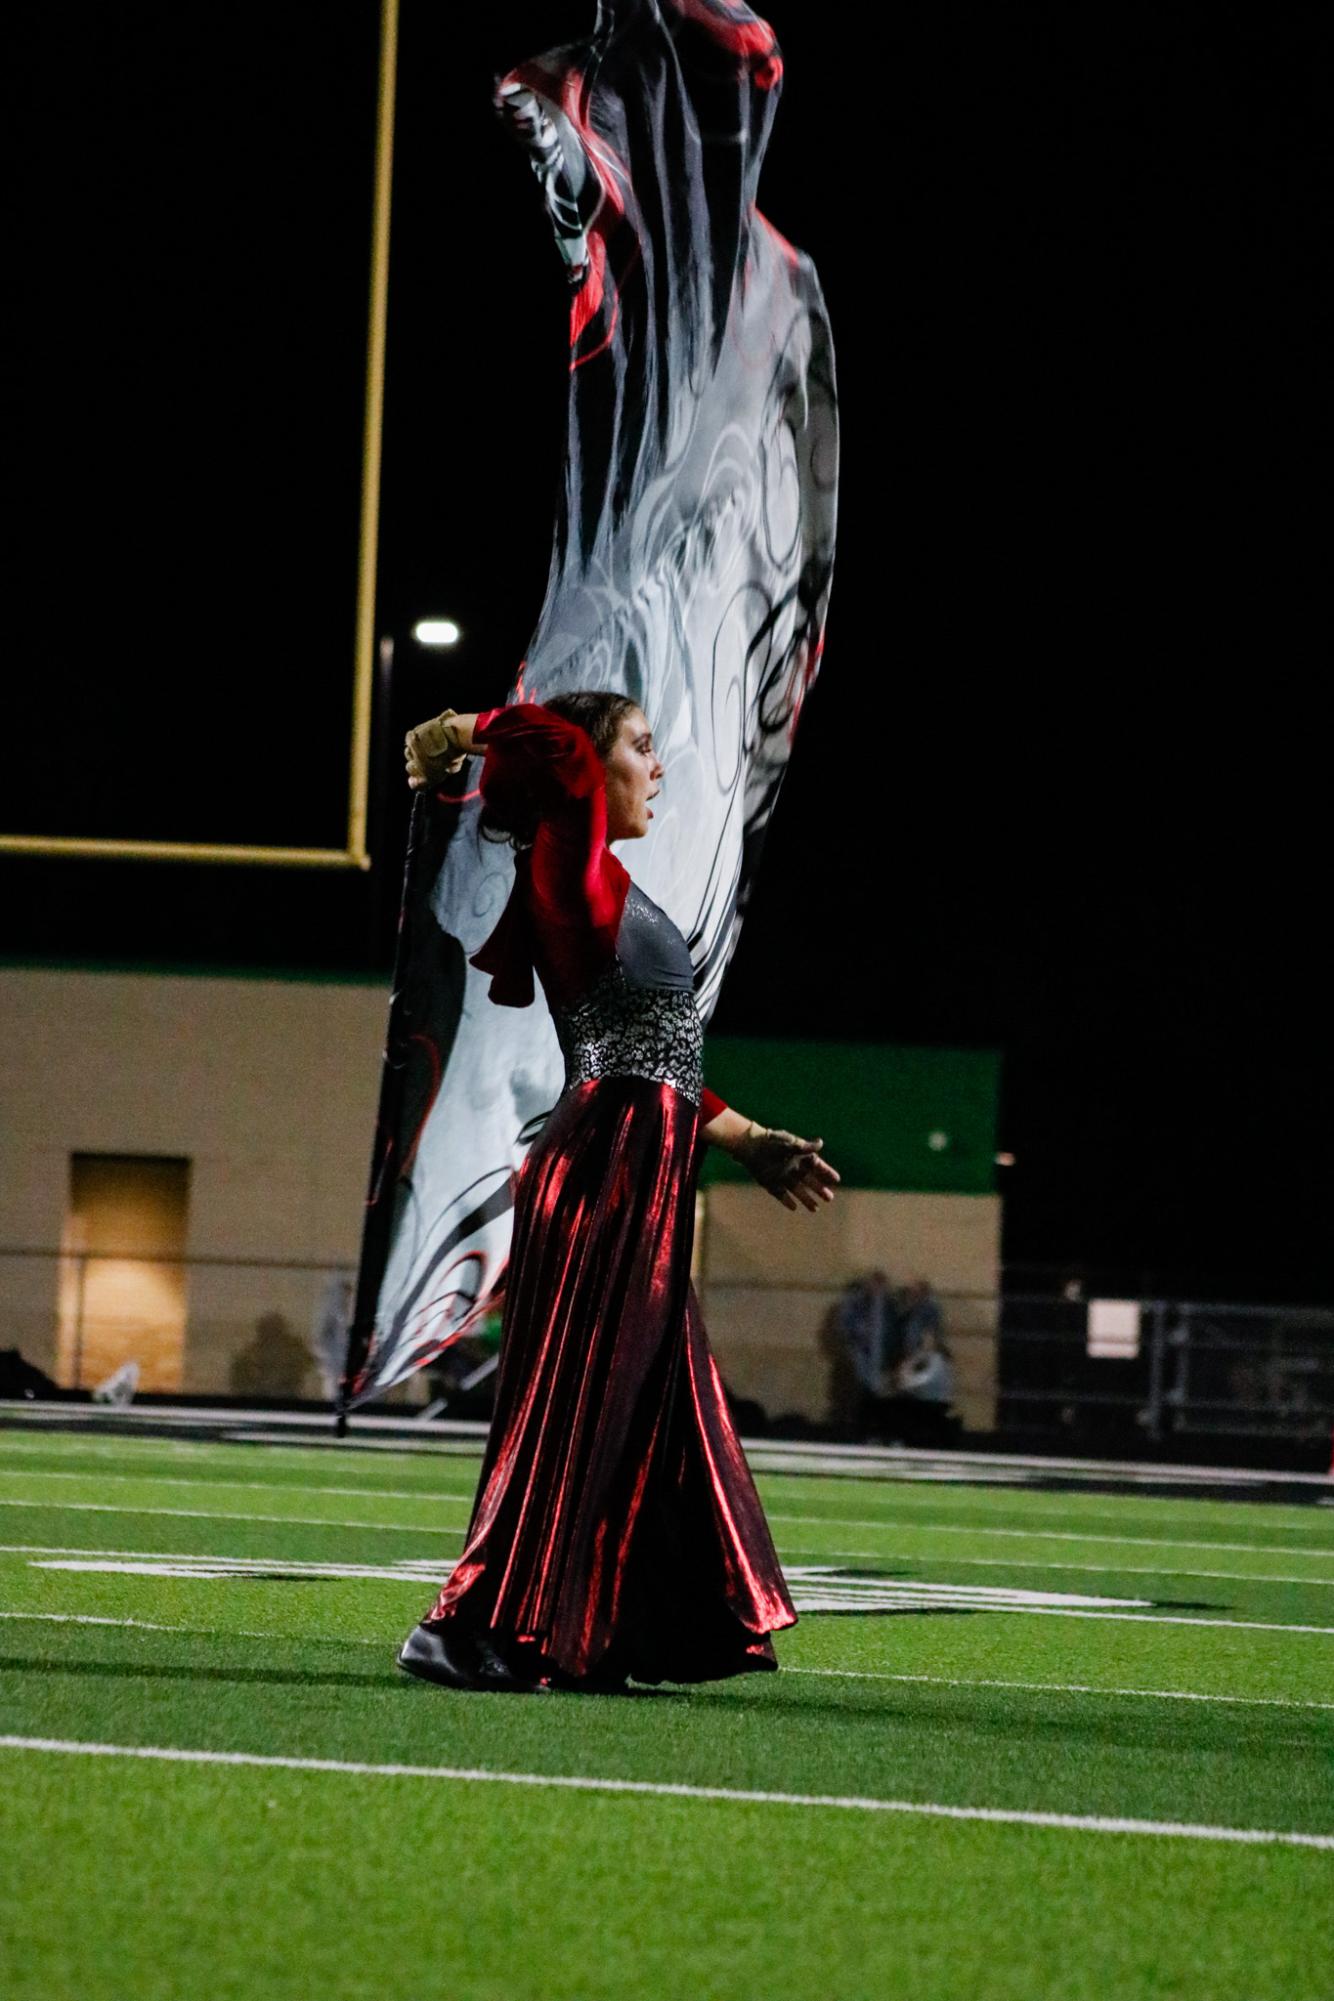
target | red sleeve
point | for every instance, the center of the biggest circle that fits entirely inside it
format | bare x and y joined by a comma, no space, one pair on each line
535,759
710,1104
575,888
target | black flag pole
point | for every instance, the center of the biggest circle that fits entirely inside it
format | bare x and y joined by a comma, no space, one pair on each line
377,1225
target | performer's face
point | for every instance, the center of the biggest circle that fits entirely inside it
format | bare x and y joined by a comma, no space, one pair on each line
634,776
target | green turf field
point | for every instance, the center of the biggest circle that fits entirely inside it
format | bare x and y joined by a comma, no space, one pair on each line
867,1823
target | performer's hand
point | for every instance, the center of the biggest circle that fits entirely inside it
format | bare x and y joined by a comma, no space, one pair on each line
790,1168
437,748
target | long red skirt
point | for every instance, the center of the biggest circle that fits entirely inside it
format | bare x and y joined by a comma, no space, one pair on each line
616,1529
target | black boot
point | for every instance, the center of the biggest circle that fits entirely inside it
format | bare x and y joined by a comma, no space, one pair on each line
456,1659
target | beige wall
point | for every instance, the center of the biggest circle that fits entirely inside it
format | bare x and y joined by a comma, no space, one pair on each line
769,1278
269,1088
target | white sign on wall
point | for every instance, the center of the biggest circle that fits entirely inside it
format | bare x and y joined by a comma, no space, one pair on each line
1113,1329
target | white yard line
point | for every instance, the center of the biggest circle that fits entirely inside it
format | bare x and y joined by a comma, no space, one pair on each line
287,1449
843,1674
859,1555
315,1427
971,1529
414,1570
1177,1619
223,1515
230,1562
1073,1823
838,1674
459,1440
96,1619
1108,1509
444,1498
215,1632
427,1498
1065,1688
212,1570
906,1560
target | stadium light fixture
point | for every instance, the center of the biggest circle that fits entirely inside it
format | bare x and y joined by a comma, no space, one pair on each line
436,632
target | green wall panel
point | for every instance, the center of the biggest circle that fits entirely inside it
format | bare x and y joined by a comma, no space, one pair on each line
890,1117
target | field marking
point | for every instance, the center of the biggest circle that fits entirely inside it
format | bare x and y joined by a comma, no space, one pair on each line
815,1588
1177,1619
214,1571
427,1569
1074,1823
224,1515
1045,1535
429,1497
846,1674
1109,1508
422,1569
1064,1687
314,1427
216,1632
1049,1563
879,1556
285,1450
444,1497
419,1570
446,1437
460,1443
221,1562
97,1619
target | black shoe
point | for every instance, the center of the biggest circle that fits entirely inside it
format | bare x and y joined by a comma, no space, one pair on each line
460,1660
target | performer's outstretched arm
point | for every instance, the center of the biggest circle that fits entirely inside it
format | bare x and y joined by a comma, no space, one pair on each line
790,1168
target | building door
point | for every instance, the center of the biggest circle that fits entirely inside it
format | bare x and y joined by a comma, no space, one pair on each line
122,1286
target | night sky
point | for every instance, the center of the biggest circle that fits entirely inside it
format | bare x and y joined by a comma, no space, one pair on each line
1061,789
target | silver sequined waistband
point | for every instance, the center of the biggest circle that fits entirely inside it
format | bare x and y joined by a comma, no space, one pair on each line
618,1029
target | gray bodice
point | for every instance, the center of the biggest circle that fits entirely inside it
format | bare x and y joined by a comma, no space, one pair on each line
639,1018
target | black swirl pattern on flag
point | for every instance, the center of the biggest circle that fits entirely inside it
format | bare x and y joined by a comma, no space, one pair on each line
691,569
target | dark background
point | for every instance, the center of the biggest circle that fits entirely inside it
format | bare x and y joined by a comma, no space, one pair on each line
1062,786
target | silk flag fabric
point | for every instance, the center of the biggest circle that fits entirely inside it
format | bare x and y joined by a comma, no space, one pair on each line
691,570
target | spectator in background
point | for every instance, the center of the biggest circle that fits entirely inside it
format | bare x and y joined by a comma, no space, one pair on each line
926,1391
869,1332
918,1312
843,1398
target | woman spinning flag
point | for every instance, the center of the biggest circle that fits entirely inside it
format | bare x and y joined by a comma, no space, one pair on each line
616,1530
552,1153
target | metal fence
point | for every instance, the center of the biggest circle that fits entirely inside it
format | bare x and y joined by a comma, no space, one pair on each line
269,1329
1183,1369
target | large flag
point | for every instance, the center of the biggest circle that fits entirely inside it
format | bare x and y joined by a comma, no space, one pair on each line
691,570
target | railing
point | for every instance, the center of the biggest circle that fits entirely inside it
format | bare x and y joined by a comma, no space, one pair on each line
275,1328
1196,1370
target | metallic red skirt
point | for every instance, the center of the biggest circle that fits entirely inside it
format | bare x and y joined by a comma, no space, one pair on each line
616,1529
